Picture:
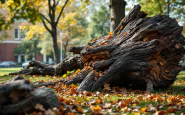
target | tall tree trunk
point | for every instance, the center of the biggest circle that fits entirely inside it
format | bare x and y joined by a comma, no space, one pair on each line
117,8
55,45
168,8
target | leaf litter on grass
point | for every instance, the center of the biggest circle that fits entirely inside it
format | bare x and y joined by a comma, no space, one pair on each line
116,101
113,100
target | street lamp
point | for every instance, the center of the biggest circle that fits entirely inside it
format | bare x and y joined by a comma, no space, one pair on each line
61,46
35,47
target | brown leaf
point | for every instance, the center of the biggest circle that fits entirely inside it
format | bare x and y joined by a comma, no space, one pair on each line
150,108
107,86
39,107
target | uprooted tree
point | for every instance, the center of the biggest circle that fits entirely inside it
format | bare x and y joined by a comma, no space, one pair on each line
143,52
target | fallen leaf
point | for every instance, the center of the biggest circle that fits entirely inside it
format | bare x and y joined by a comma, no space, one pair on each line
39,107
143,109
107,86
79,109
96,108
150,108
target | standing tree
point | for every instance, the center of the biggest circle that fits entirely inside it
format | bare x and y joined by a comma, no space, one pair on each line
34,10
49,12
117,9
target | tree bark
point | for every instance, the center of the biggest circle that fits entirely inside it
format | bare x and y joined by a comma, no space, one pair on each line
19,96
143,54
117,9
55,45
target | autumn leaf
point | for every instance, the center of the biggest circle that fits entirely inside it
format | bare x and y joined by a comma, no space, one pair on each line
39,107
110,33
79,109
150,108
125,34
143,109
107,86
96,108
121,27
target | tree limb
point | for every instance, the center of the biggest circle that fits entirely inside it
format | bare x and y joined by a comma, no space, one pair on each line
57,3
61,11
46,26
45,18
49,6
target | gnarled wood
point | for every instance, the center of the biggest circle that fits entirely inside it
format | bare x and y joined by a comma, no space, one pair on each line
143,52
19,96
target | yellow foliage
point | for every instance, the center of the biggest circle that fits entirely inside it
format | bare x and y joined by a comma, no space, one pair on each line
32,30
64,76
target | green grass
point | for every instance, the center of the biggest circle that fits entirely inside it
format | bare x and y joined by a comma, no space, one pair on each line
6,71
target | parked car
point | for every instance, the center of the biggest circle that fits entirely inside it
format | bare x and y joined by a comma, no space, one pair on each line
25,64
8,64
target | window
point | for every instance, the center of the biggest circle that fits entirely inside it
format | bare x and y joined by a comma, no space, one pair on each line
16,33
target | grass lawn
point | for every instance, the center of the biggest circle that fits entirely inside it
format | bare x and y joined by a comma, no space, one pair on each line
116,100
6,71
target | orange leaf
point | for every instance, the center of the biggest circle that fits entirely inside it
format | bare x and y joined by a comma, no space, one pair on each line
121,27
118,32
79,109
96,108
98,101
123,104
110,33
125,34
143,109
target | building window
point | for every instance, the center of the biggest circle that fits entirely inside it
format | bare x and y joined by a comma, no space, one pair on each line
16,33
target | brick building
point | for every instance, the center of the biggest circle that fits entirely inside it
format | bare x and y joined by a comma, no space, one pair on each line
7,46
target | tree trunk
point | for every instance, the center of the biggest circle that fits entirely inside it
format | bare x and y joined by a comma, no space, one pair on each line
55,46
144,53
19,96
117,9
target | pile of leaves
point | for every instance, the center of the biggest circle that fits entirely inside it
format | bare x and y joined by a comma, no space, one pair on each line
114,100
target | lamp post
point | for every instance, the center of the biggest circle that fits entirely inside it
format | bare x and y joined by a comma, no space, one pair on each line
35,47
61,46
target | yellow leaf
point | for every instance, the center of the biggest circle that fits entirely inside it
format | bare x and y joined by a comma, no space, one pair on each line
136,113
64,76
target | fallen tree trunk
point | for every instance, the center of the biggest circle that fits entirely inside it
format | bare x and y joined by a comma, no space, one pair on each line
19,96
143,53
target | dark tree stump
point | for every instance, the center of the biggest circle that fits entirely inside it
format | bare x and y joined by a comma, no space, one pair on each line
143,53
19,96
